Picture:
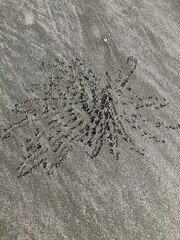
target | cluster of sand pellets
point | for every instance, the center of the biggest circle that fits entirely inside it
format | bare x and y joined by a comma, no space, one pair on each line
77,106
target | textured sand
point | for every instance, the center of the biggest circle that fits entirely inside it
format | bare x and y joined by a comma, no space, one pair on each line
135,198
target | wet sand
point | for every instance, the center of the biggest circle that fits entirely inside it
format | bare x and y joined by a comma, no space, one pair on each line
129,190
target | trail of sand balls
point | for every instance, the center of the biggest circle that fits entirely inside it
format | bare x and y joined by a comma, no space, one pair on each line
77,106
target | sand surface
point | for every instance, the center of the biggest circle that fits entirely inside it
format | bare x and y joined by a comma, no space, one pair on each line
90,152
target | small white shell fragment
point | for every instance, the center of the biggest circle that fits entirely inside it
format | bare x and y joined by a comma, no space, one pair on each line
29,18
